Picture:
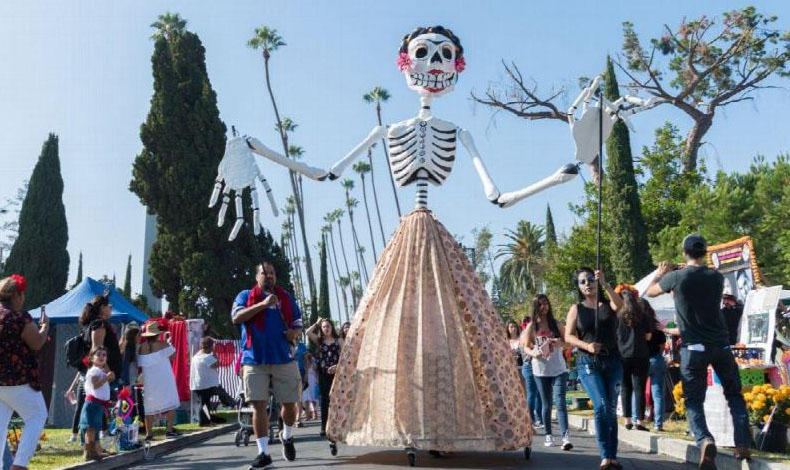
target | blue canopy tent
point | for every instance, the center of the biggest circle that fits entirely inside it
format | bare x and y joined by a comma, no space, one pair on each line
68,307
64,314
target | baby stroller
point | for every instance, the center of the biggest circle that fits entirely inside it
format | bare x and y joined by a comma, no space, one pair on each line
244,414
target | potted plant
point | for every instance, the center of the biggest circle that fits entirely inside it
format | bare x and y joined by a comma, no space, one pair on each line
769,410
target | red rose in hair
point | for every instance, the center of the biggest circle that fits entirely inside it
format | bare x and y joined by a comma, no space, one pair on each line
21,283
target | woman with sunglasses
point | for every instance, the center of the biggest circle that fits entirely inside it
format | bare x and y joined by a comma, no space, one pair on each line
544,345
600,369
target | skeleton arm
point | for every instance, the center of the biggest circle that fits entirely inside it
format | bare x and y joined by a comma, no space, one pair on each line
313,173
585,96
564,174
378,132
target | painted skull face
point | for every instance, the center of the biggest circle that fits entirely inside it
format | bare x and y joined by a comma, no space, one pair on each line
431,64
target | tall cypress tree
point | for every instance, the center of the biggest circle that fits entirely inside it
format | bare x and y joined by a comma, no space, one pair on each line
39,252
127,283
630,258
551,232
79,271
192,263
323,309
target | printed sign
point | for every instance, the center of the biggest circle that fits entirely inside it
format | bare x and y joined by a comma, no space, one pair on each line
737,261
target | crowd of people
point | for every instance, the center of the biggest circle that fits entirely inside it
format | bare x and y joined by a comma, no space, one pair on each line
618,342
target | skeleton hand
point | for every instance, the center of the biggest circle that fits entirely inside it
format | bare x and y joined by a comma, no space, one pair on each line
238,170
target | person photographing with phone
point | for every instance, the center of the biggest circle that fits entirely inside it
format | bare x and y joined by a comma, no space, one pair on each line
20,387
600,368
697,291
543,346
270,322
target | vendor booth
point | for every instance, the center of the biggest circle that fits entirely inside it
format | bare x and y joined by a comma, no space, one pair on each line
64,313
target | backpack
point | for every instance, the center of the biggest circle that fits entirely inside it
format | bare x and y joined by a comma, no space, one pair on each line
77,348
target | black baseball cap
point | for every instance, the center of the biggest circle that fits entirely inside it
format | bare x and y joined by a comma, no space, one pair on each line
695,242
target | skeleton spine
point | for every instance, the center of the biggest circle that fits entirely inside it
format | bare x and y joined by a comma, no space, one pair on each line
421,198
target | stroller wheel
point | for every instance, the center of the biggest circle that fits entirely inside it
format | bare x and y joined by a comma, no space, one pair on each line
237,439
333,448
246,439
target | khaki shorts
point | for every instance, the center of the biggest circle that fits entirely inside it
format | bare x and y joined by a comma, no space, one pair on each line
283,378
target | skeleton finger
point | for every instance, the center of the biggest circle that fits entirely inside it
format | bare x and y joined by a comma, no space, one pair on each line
215,194
224,208
269,194
256,212
239,219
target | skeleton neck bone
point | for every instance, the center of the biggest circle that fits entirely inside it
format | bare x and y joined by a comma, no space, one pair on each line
425,107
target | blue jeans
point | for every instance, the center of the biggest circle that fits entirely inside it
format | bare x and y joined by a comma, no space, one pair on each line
694,374
559,384
601,377
658,370
533,397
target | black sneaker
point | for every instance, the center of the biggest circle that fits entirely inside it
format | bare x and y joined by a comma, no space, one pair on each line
262,461
172,434
289,451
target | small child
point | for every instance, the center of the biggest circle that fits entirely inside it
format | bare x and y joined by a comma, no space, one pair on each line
97,398
310,393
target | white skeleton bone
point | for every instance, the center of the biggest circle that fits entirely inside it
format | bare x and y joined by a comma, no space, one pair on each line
423,149
238,170
586,130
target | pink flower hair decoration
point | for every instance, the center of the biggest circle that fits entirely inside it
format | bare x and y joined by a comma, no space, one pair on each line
460,64
404,61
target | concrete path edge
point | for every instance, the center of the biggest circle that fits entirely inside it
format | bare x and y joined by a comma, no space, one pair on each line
126,459
680,449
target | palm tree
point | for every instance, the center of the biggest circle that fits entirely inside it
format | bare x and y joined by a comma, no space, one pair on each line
268,40
290,209
363,167
351,203
296,152
375,194
338,216
524,253
344,283
293,255
356,288
324,230
379,95
330,219
168,25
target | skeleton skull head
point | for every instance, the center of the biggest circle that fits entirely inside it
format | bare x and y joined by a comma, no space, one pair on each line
431,59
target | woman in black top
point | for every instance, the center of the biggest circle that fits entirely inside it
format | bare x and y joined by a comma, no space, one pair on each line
96,328
599,368
329,344
633,333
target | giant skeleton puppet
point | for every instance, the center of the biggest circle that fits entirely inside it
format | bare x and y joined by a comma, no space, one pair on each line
426,364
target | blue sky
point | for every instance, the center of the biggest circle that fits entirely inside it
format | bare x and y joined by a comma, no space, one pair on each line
82,69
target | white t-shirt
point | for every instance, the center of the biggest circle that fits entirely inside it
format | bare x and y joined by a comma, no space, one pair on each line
103,392
201,374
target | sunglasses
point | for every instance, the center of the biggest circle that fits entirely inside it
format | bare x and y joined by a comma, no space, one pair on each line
100,355
588,280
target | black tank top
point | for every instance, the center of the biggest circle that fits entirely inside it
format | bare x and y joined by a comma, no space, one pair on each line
607,326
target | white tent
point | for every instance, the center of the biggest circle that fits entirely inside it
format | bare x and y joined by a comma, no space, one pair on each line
664,304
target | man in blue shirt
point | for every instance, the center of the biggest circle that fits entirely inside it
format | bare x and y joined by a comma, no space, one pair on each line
271,322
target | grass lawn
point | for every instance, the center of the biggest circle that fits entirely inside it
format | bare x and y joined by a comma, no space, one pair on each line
57,451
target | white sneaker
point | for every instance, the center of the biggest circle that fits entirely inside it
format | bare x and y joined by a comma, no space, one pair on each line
73,438
549,441
566,442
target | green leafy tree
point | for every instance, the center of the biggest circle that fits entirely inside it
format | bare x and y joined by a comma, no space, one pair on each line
79,272
523,254
623,212
127,283
39,251
192,264
710,64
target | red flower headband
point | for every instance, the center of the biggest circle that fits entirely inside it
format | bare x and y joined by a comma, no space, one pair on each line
21,283
623,287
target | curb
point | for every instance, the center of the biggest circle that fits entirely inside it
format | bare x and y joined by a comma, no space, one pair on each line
126,459
680,449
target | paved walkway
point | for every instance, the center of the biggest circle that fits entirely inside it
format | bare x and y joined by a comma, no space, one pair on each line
313,452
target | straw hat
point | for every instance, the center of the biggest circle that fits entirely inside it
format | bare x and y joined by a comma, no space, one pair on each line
152,329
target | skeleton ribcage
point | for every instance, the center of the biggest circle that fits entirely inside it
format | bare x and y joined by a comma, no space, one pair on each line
422,150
